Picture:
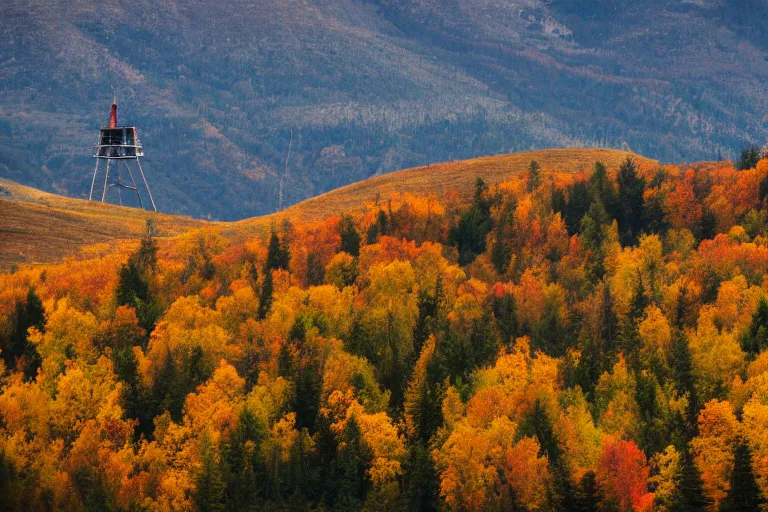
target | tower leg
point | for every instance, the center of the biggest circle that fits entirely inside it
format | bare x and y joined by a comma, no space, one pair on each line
138,196
106,177
146,184
93,181
119,184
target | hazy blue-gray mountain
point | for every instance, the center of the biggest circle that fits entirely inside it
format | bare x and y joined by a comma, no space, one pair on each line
219,88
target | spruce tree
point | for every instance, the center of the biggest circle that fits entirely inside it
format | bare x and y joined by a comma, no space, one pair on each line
745,494
278,256
265,299
350,238
593,235
534,176
473,227
243,464
27,314
427,321
631,187
587,494
755,340
690,487
135,278
601,189
748,158
210,491
579,201
349,480
505,315
420,479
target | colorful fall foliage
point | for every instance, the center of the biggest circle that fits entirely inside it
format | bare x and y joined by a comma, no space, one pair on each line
561,342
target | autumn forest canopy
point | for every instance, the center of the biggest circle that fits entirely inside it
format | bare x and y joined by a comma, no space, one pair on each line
557,341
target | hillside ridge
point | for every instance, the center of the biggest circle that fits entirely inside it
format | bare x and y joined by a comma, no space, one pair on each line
41,227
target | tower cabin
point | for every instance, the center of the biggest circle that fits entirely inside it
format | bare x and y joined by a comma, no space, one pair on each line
117,141
119,145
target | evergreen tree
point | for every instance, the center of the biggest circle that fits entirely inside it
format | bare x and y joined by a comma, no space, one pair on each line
579,201
210,491
501,252
748,158
631,188
587,494
265,299
429,311
473,226
277,254
601,189
636,311
505,315
350,238
550,333
420,480
682,371
690,487
378,228
599,352
559,202
708,227
745,494
135,278
349,480
593,235
755,340
483,341
29,313
244,467
534,176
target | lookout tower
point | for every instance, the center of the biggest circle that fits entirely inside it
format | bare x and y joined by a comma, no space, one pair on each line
119,145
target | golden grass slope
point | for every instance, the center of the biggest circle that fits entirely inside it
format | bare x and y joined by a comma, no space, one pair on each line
459,176
37,227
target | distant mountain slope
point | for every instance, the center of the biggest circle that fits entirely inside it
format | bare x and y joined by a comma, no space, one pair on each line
38,227
220,90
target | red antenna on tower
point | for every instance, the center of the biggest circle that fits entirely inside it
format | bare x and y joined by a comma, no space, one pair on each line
113,112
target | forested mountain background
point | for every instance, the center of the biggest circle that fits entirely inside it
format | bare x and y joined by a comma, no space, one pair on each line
220,90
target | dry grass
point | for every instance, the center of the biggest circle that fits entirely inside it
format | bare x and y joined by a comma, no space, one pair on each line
37,227
452,176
